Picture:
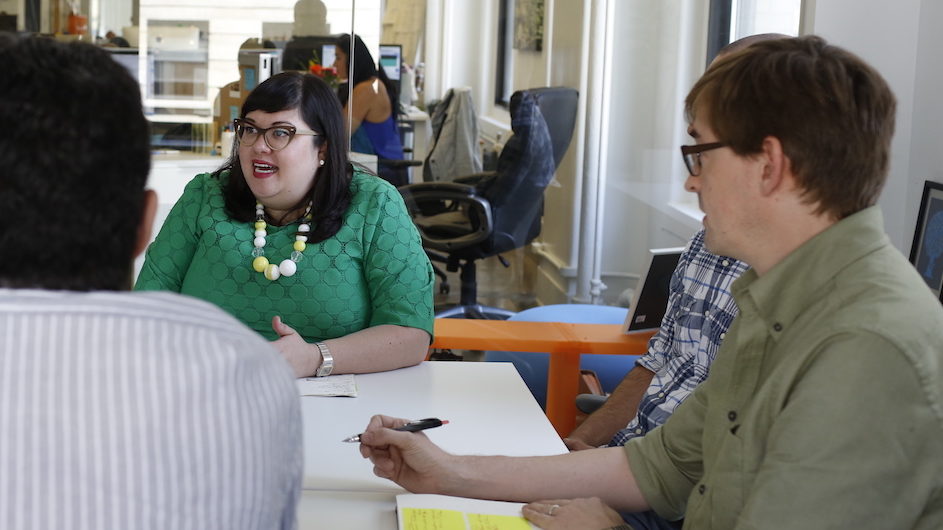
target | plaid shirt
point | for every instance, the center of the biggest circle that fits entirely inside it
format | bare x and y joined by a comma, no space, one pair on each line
700,309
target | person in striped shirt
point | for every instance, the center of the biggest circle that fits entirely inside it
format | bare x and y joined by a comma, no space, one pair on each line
119,410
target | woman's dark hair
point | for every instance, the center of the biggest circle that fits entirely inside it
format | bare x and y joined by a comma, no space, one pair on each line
364,69
321,112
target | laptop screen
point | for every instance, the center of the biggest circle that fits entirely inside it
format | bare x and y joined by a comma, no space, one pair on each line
651,296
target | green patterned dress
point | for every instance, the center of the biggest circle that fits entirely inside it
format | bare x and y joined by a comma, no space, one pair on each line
373,271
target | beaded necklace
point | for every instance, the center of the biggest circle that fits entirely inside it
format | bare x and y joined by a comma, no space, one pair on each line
287,267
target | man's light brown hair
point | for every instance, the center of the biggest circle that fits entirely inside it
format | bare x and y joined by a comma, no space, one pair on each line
833,114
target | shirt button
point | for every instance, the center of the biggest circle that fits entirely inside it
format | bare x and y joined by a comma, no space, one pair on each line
661,394
777,326
722,335
725,263
701,489
732,415
638,430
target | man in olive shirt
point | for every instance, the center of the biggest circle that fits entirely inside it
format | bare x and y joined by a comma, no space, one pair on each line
824,406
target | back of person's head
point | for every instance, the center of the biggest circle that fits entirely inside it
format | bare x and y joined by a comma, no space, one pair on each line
321,112
73,164
364,68
749,40
363,65
832,112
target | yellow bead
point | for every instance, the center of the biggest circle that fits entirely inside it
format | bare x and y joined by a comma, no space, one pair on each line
260,263
260,225
299,246
272,272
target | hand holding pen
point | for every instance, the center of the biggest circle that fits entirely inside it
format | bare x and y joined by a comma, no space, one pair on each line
412,426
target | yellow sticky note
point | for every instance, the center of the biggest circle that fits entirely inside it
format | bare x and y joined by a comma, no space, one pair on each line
480,521
428,519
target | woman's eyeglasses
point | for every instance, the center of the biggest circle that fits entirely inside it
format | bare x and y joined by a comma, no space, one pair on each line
276,137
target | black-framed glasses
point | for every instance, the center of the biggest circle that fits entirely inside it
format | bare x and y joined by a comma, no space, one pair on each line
276,137
691,154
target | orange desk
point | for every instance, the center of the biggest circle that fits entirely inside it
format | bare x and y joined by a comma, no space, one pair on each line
564,342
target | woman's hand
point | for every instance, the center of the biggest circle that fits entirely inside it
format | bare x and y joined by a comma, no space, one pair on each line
304,358
585,514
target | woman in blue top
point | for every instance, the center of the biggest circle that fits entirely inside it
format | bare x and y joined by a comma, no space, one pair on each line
375,106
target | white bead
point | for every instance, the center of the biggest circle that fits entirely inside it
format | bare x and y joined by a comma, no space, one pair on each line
304,227
259,242
303,239
287,267
260,233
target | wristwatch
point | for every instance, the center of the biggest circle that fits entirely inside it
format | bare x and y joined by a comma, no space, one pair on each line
327,360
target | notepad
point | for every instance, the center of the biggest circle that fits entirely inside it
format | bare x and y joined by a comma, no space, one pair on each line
332,385
441,512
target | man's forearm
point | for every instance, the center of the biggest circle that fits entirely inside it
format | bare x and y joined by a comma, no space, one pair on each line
602,473
617,411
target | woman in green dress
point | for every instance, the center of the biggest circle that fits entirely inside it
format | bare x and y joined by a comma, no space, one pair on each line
313,253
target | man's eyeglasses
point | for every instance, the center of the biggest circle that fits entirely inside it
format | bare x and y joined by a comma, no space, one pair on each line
691,154
276,137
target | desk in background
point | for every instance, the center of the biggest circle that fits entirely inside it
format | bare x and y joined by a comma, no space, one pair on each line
565,342
422,134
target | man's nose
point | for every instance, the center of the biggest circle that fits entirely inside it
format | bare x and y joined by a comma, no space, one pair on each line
692,184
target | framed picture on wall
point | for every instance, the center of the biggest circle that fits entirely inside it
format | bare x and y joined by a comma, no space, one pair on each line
528,25
927,251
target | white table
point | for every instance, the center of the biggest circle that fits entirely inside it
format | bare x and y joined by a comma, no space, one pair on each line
490,412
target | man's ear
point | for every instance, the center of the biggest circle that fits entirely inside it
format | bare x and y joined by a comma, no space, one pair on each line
148,211
776,165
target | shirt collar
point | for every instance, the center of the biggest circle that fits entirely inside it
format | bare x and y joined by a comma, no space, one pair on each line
807,274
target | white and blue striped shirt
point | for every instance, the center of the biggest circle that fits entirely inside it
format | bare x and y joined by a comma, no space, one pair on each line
141,411
700,309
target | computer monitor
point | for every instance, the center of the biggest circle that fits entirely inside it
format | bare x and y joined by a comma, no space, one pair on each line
327,54
298,51
391,60
651,296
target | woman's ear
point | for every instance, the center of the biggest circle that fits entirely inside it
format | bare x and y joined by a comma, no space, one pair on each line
322,151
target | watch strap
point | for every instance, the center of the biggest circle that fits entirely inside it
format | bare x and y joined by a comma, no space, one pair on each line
327,360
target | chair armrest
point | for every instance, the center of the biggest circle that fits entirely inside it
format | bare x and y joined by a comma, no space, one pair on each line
589,403
474,178
429,196
395,163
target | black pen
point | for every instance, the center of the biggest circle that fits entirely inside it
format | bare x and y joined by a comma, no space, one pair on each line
413,426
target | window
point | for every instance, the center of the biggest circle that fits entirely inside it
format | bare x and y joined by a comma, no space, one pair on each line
734,19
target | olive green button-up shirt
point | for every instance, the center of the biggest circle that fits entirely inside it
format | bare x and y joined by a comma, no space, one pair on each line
824,407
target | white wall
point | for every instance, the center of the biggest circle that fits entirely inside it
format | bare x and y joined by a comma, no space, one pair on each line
892,37
926,139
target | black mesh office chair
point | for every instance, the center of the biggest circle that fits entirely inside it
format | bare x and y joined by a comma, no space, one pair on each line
484,215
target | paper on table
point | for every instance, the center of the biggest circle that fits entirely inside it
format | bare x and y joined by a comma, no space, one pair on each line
332,385
441,512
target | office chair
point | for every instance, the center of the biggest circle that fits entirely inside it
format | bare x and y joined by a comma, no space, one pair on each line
484,215
610,369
